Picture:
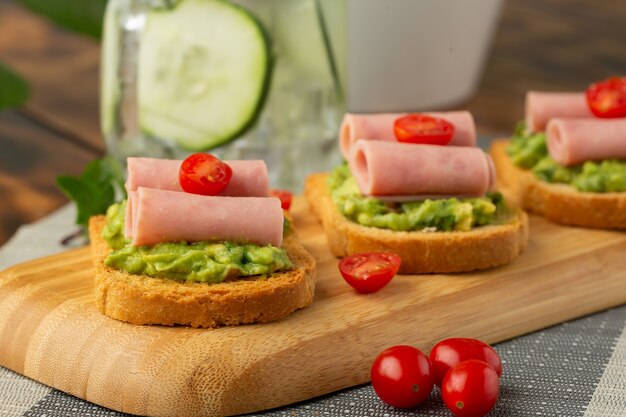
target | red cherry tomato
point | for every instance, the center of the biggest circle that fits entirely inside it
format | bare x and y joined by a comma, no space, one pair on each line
419,128
204,174
449,352
369,272
607,98
284,196
470,388
401,376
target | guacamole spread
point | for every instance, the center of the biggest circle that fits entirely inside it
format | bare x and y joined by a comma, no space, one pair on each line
529,151
210,262
444,214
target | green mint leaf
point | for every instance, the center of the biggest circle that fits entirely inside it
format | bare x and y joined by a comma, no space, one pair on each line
13,89
82,16
81,192
94,191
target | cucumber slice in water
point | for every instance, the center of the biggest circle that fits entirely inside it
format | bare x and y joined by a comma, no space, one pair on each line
204,73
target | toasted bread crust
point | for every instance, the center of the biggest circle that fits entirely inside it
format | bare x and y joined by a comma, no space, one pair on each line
141,299
421,252
559,203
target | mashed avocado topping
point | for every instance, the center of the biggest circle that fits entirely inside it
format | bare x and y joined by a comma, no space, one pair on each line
210,262
529,151
444,214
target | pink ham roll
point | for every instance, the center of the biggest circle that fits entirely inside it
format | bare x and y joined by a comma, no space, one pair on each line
399,169
172,216
573,141
249,178
380,127
128,219
541,107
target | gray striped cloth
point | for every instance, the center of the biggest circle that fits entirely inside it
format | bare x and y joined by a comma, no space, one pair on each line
577,368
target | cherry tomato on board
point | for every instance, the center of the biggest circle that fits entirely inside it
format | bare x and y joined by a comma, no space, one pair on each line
284,196
401,376
369,272
470,388
419,128
449,352
607,98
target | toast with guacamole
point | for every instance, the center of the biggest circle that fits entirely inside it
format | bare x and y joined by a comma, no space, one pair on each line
418,186
554,192
152,294
430,236
567,160
199,243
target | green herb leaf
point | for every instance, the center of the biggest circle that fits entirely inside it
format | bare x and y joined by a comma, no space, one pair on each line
82,16
13,89
94,191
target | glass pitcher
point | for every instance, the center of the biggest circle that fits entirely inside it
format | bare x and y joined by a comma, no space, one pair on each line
243,79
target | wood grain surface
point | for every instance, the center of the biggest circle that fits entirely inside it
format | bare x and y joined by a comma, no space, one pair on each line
31,157
62,70
50,330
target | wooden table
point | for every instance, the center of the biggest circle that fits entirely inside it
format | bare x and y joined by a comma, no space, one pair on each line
540,44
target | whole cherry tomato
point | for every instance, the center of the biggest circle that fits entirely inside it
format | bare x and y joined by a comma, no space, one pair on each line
419,128
284,196
470,388
369,272
401,376
204,174
607,98
449,352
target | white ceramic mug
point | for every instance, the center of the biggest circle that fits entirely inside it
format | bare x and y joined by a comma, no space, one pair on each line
408,55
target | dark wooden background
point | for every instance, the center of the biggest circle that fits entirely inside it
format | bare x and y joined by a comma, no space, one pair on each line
539,44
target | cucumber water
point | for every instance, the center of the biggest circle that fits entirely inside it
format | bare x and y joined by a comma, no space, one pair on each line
181,76
204,73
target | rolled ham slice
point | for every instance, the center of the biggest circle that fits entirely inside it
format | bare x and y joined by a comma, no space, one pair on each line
541,107
401,170
573,141
250,178
128,219
380,127
171,216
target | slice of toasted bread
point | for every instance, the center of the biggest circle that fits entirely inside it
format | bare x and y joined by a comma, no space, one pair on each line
140,299
559,203
421,252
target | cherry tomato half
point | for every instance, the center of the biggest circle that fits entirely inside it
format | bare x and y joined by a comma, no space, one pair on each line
369,272
450,352
470,388
419,128
204,174
284,196
607,98
401,376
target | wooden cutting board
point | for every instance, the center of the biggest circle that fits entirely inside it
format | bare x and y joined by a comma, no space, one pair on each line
50,330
